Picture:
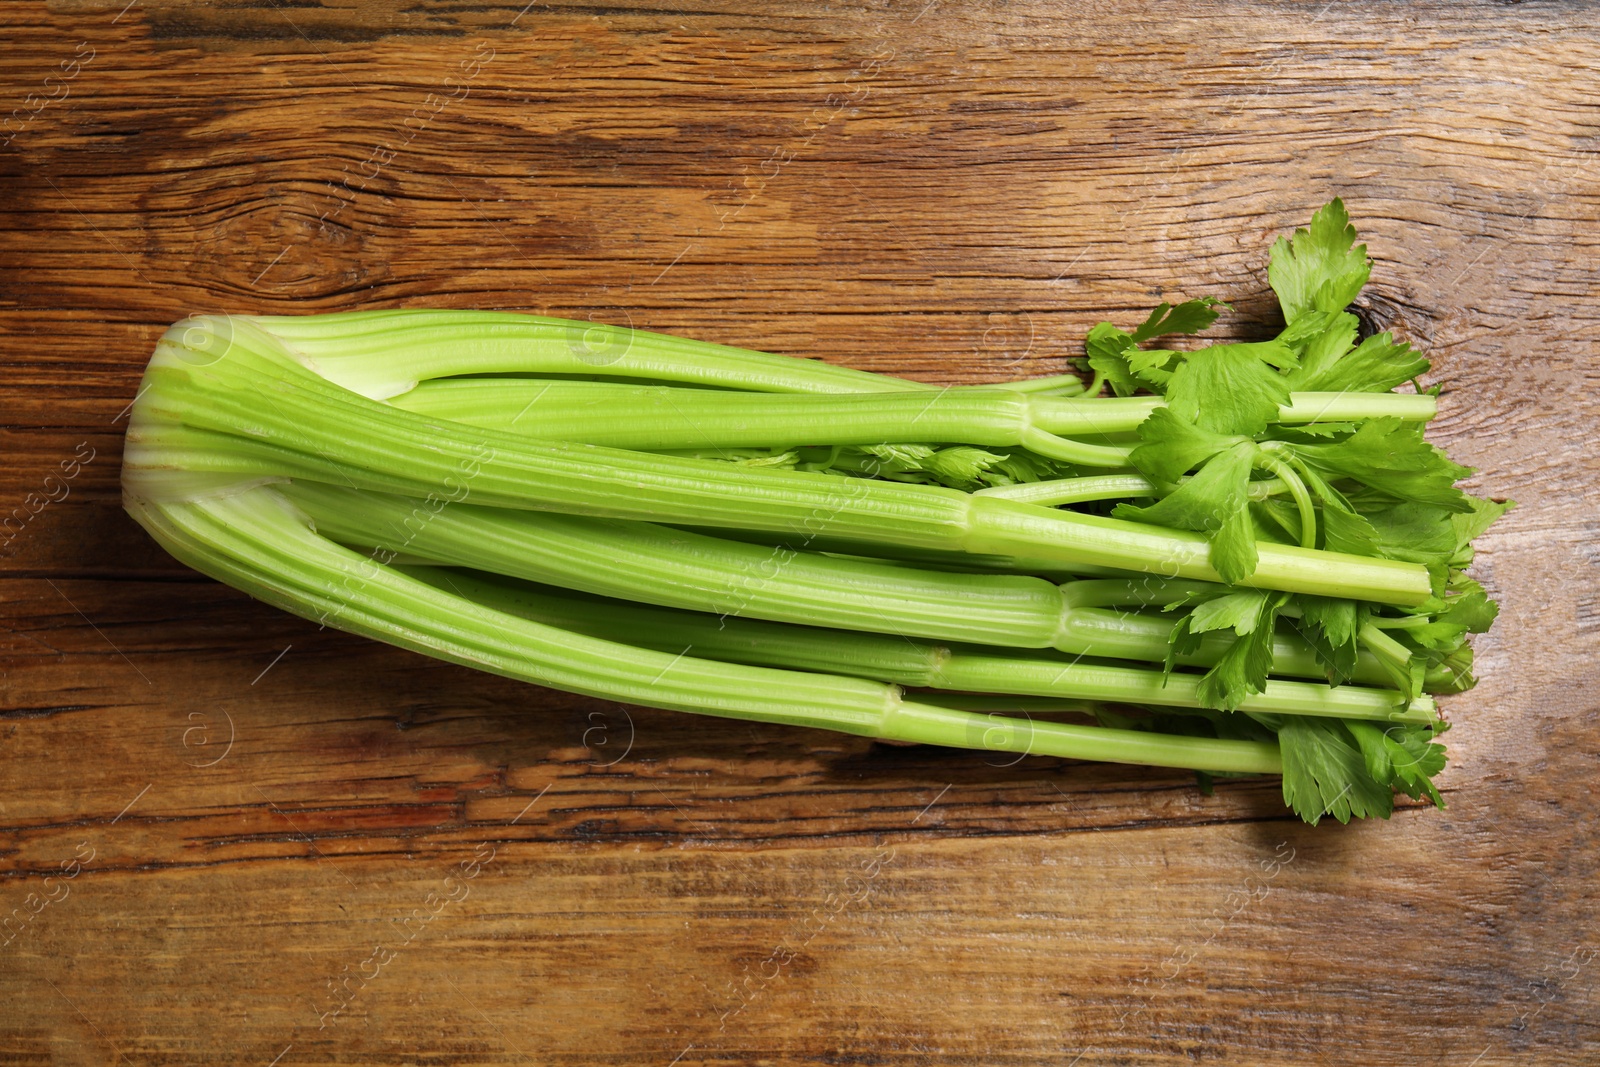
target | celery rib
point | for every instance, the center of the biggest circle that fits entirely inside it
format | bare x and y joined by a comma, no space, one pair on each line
658,418
905,662
254,541
383,353
1074,490
1097,416
679,568
662,418
298,424
1060,491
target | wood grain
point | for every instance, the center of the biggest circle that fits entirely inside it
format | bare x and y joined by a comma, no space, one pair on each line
228,836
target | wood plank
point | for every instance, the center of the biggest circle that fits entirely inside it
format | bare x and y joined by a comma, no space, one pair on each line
952,193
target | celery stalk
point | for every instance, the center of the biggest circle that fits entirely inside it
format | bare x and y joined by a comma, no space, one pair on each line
662,418
255,540
243,407
896,659
679,568
658,418
816,537
383,353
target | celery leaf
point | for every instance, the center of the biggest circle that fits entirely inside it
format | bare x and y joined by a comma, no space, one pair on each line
1392,457
1377,365
1404,757
1214,502
1106,346
1171,447
1191,316
1239,611
1243,668
1231,389
1330,626
1325,772
1320,269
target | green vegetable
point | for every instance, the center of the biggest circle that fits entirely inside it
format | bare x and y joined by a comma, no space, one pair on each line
258,413
252,539
658,565
657,418
1185,564
896,659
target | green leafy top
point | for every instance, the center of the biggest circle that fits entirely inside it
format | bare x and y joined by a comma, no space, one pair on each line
1319,269
1191,316
1367,486
1231,388
1352,768
1370,487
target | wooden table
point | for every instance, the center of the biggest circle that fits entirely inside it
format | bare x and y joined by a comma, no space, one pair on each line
272,844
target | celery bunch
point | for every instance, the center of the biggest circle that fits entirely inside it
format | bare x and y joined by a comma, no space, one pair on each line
1246,561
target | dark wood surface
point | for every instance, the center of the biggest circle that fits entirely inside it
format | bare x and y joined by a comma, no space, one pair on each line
270,844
